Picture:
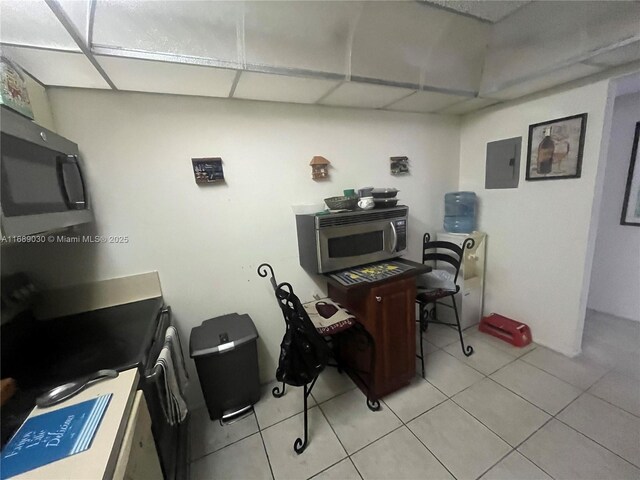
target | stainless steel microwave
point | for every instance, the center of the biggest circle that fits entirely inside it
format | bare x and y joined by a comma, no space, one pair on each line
41,178
336,241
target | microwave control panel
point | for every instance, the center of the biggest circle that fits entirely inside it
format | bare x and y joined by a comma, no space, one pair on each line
401,232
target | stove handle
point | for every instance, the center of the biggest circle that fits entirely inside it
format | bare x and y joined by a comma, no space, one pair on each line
155,373
165,311
158,337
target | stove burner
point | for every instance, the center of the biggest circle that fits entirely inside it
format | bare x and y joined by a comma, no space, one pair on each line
43,354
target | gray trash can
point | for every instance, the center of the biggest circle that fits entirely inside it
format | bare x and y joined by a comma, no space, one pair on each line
225,352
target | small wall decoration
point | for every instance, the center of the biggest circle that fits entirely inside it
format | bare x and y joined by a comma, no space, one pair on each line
208,170
319,168
555,148
631,205
399,165
13,88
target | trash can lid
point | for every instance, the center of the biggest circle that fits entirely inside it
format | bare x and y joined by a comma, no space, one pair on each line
221,334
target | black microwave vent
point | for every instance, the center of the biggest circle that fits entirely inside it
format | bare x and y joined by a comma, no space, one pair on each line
341,219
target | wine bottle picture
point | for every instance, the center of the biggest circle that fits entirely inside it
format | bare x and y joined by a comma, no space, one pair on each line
555,148
545,153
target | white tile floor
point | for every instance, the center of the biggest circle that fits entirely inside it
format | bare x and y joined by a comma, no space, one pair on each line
503,413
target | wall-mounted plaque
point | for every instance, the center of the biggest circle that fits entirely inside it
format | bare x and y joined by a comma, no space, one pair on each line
208,170
399,165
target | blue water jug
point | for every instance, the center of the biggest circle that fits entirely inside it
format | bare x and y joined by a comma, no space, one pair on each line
460,212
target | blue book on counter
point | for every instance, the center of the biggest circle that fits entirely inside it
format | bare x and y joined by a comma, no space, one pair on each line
52,436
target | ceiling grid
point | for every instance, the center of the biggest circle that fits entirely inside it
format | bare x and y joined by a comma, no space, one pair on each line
428,56
75,35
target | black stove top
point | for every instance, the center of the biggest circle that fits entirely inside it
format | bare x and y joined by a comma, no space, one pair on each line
40,354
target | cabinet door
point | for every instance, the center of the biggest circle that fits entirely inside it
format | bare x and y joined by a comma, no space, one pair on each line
138,458
393,306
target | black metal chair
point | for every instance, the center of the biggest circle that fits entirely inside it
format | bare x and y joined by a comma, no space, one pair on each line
295,316
452,254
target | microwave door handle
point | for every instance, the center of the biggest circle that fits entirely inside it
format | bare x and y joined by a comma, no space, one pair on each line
394,245
60,162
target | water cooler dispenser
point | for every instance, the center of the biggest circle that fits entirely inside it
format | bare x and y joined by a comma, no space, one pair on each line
470,298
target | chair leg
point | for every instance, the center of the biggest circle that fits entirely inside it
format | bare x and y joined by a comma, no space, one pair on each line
422,353
300,444
421,322
278,392
468,350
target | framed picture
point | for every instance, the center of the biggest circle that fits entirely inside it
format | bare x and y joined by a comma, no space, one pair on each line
555,148
631,205
208,170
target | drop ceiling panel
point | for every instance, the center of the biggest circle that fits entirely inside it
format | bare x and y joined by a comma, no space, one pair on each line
78,12
420,45
163,77
309,35
467,106
278,88
364,95
619,56
543,82
546,35
425,102
32,23
191,28
55,68
491,11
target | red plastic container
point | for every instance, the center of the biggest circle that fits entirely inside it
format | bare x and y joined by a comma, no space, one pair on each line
516,333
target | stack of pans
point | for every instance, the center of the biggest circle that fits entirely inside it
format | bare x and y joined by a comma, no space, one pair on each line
384,197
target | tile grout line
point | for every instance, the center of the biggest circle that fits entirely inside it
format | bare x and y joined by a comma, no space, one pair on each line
609,403
525,399
529,437
327,468
486,344
512,449
583,391
412,433
584,434
554,417
332,429
228,444
376,440
264,446
421,442
317,404
562,379
356,467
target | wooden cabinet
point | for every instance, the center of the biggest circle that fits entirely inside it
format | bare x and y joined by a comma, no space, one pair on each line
387,311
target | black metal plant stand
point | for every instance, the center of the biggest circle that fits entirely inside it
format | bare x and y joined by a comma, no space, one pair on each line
366,342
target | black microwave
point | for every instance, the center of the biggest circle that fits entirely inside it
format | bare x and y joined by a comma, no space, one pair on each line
43,188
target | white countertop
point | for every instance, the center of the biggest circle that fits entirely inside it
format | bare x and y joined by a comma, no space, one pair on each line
100,459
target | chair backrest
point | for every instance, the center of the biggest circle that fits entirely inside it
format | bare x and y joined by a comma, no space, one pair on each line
448,252
303,351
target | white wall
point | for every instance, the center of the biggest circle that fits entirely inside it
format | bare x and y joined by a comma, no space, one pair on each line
538,234
615,277
40,104
206,242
